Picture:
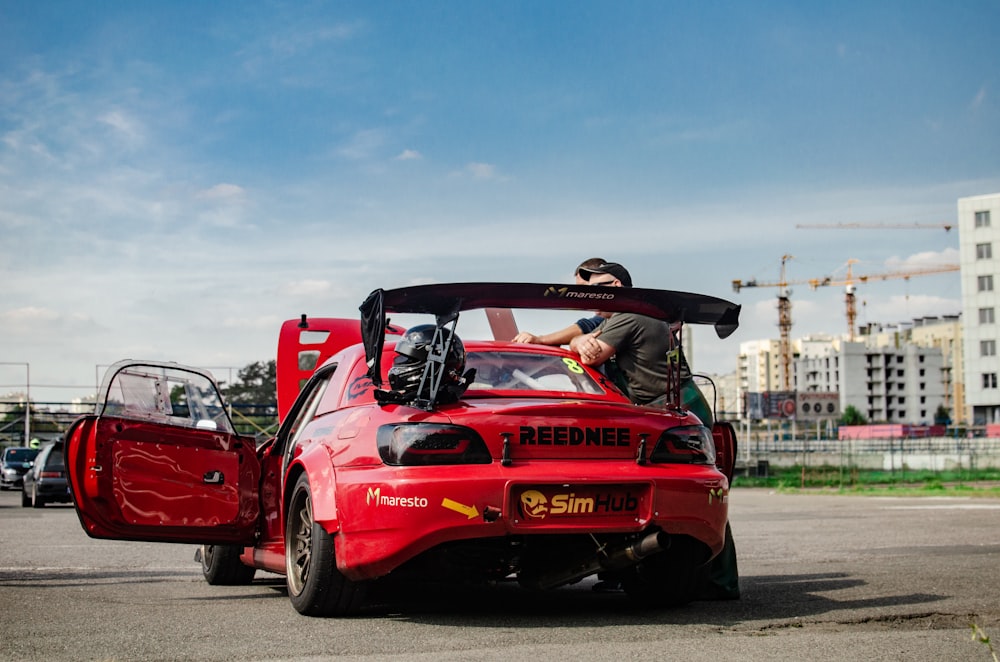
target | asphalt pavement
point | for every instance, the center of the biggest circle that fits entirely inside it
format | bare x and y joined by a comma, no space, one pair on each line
823,577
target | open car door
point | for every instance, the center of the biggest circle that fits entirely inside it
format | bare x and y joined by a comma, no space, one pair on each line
159,460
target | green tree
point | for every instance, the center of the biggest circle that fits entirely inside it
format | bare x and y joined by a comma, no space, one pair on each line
942,416
255,383
852,416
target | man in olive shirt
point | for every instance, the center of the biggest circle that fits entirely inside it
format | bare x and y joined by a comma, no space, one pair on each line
641,346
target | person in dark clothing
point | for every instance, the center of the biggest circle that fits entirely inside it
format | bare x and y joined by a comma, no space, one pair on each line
583,325
642,348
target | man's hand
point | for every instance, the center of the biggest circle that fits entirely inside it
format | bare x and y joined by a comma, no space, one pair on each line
591,350
525,337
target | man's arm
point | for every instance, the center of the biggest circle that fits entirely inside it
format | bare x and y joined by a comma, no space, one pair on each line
592,350
560,337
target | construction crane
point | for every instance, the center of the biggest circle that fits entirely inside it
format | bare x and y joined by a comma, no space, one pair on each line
875,226
850,281
784,318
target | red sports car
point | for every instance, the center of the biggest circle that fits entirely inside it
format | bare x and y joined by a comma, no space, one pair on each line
480,461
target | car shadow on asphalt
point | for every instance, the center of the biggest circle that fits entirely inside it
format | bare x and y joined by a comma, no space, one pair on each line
505,604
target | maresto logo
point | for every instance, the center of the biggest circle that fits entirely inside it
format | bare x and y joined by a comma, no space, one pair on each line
566,293
374,496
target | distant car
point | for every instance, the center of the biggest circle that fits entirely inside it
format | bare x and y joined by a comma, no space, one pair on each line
14,463
46,481
484,461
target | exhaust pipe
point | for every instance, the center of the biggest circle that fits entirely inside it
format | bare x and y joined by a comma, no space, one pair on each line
617,559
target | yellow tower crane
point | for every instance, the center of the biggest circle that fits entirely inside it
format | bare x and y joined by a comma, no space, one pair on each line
784,317
875,226
850,281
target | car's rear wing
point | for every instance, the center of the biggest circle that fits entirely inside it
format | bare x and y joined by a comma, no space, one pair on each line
446,301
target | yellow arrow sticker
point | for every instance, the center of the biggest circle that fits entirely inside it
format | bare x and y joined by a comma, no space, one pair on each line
470,511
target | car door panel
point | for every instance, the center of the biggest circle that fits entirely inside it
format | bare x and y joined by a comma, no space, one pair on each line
163,473
146,481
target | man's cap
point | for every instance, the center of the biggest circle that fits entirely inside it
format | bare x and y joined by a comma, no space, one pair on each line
610,268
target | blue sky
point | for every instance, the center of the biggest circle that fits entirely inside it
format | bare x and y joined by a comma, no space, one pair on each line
178,178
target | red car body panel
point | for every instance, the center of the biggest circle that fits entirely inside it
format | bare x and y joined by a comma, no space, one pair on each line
571,459
305,344
134,479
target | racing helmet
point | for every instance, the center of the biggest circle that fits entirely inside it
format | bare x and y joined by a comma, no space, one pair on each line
412,352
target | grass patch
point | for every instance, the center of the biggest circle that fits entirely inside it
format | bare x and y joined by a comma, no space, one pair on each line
975,482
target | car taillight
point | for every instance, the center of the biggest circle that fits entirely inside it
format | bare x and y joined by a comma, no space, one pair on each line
689,444
422,444
50,474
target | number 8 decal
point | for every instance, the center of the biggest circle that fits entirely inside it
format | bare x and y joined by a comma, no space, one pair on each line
573,365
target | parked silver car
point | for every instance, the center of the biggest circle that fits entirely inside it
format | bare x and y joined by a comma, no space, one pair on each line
14,463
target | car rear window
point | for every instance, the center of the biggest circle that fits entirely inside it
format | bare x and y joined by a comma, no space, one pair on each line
523,371
55,458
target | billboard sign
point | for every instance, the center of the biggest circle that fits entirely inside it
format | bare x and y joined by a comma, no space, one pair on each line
785,405
817,405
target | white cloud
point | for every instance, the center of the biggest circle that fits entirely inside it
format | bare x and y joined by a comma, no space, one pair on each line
128,127
265,322
363,144
477,170
409,155
977,101
924,261
27,316
223,192
306,288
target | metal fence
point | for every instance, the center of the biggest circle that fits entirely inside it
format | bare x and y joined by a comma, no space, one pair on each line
935,454
49,421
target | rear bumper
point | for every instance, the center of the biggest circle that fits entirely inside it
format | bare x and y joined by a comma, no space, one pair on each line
53,491
388,515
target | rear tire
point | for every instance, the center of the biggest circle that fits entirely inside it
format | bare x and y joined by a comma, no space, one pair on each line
221,566
25,499
36,501
315,586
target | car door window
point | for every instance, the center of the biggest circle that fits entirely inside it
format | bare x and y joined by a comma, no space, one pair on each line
305,413
164,394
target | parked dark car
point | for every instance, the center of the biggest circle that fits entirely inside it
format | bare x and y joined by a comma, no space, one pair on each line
14,463
46,482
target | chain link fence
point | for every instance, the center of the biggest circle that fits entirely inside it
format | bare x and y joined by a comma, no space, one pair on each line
49,421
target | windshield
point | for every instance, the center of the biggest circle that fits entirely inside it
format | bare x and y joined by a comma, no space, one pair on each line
530,372
20,454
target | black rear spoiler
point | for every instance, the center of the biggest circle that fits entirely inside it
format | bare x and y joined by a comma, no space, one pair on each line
445,301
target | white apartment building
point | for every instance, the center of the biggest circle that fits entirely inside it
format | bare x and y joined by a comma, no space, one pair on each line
886,377
758,367
979,253
946,332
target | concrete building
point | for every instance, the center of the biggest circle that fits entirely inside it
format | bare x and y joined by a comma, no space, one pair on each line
887,377
946,332
726,395
758,367
979,254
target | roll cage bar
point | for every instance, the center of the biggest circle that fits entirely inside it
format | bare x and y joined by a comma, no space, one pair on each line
446,301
